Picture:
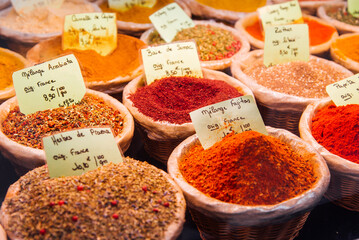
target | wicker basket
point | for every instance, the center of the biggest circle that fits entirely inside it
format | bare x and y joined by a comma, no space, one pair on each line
343,189
250,19
26,158
310,7
220,220
340,58
277,109
52,48
160,138
214,64
10,91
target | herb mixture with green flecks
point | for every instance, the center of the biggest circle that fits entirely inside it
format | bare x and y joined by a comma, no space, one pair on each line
130,200
342,15
213,43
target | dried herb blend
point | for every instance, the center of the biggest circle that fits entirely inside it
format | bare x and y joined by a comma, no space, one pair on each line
341,14
248,169
213,43
336,128
91,111
130,200
172,99
303,79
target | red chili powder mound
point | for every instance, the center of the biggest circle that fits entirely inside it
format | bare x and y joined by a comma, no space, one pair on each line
172,99
337,129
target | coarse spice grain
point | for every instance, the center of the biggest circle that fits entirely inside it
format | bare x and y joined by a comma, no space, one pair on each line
90,112
341,14
172,99
111,205
302,79
248,169
213,43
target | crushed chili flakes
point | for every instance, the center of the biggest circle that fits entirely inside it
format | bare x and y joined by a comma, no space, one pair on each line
90,112
248,169
88,215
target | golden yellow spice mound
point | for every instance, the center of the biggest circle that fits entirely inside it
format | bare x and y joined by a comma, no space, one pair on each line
8,64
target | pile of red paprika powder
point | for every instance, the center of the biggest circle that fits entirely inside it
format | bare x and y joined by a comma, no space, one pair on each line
171,99
249,168
337,129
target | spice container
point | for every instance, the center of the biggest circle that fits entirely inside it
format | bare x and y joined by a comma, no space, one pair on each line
129,200
284,90
217,43
310,6
321,33
20,135
9,62
136,20
343,189
217,219
23,32
344,50
337,15
161,136
124,62
226,10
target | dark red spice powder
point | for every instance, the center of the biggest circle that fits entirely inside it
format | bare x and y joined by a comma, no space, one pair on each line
172,99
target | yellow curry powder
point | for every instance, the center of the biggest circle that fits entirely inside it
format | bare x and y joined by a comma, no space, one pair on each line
8,65
136,14
347,47
237,6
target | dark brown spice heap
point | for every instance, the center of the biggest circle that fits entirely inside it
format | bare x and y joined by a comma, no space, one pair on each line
172,99
111,205
90,112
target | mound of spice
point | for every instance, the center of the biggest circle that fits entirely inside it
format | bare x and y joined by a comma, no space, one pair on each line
96,68
248,169
336,128
172,99
237,6
90,112
130,200
213,43
341,14
8,64
302,79
318,32
348,47
136,14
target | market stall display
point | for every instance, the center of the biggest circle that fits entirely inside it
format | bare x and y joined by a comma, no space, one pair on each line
344,51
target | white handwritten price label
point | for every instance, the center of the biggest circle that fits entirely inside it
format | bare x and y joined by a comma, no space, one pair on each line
214,122
170,20
353,8
280,14
94,31
345,91
23,6
75,152
53,84
125,5
174,59
286,43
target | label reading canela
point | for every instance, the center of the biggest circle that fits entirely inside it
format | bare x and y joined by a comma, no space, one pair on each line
353,8
286,43
125,5
76,152
53,84
214,122
345,91
94,31
170,20
22,6
280,14
174,59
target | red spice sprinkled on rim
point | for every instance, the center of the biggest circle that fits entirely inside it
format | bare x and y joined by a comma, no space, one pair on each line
115,216
42,231
75,218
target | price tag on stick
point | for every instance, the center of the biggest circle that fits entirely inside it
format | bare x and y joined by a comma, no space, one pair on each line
23,6
286,43
170,20
52,84
214,122
345,91
75,152
174,59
